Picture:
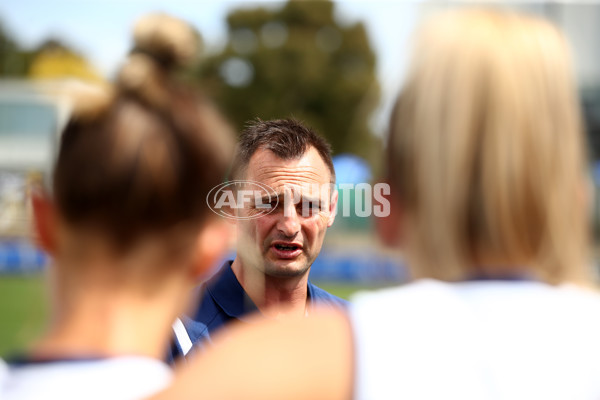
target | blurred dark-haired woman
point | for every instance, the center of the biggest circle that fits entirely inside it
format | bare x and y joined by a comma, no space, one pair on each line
127,226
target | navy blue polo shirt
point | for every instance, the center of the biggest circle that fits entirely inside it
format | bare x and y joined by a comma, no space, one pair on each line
222,300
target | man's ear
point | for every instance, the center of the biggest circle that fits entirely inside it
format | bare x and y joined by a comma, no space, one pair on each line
389,226
44,221
333,207
211,245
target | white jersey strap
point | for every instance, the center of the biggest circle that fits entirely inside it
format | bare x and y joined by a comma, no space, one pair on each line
182,336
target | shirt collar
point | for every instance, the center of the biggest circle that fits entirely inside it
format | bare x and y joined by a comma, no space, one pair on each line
229,294
23,360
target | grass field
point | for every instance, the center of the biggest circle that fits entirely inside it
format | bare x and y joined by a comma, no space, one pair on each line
24,309
343,290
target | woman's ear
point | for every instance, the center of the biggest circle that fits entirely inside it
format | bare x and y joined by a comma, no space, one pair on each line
212,243
44,221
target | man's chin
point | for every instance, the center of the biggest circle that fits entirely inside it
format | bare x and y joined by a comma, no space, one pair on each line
286,268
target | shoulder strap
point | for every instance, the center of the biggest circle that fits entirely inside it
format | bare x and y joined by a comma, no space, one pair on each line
182,337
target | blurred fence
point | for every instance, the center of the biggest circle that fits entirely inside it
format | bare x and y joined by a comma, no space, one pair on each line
21,257
364,266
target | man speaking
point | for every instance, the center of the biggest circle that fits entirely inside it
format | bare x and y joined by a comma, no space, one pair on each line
279,235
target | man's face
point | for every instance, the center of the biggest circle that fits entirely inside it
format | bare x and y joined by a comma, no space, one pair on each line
285,242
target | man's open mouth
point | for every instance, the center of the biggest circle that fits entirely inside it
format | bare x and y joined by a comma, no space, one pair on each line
286,247
286,250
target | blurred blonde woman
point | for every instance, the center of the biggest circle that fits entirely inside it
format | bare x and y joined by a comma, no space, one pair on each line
487,169
127,226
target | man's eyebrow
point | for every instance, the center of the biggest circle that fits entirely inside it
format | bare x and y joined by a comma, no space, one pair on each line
269,198
312,199
280,195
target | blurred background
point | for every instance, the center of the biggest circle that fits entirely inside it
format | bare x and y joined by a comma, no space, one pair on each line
334,65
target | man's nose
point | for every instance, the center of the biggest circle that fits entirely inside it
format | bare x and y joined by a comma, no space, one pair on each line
289,223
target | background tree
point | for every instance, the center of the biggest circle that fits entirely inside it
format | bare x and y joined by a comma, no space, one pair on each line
298,61
14,61
51,60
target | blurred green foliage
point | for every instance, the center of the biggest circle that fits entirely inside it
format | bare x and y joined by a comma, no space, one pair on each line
50,60
14,60
298,61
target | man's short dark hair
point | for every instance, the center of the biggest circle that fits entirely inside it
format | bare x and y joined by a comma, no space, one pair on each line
286,138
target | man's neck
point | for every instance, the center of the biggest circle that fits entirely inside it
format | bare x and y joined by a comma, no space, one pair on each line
274,296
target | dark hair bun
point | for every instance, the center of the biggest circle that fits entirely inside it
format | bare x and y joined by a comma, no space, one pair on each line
168,40
162,43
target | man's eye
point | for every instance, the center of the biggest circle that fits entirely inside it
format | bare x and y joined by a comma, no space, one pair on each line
314,205
270,204
310,208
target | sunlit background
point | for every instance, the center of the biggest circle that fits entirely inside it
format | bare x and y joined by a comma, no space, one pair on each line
334,65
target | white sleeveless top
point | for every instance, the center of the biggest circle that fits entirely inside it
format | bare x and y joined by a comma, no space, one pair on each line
117,378
477,340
